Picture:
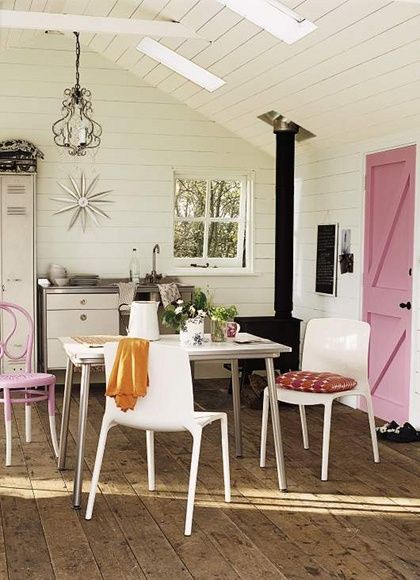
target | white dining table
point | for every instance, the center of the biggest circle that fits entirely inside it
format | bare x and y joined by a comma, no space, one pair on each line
247,347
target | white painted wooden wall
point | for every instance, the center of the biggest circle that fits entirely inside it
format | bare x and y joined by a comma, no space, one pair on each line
146,136
330,189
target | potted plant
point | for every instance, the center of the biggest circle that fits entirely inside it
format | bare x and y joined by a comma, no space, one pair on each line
220,316
187,318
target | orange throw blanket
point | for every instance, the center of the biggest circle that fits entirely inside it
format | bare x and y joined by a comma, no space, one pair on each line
129,379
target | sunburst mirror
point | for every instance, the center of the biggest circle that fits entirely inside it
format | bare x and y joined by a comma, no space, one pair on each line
84,202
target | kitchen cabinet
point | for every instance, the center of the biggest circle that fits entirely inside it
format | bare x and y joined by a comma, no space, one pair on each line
74,311
83,311
17,259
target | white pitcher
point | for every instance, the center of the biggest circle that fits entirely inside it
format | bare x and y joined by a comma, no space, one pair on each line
144,321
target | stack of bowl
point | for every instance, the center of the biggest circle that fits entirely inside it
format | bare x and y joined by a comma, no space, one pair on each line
57,275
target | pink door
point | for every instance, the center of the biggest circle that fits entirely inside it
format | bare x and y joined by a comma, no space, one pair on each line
387,282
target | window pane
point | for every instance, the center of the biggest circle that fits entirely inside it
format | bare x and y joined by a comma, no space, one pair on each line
223,240
189,239
190,198
225,198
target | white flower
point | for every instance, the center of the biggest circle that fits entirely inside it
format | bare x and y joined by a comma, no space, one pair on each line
192,310
201,313
180,301
178,310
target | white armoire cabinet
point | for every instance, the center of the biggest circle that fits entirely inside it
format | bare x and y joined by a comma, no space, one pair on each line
17,256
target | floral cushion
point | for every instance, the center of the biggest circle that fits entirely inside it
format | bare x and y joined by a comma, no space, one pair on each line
313,382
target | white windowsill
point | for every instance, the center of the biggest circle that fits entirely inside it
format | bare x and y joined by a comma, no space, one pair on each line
210,272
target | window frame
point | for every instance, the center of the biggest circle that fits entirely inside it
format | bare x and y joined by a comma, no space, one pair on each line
244,245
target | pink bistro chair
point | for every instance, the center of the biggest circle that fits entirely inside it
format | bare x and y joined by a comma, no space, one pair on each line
27,387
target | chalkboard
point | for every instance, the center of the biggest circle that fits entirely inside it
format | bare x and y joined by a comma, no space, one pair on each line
326,260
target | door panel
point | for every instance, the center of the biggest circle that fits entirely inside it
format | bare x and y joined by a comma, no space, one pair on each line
387,283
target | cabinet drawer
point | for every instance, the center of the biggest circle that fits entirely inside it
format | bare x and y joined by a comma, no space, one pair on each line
81,322
83,300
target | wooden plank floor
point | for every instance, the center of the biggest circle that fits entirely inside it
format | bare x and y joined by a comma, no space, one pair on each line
363,523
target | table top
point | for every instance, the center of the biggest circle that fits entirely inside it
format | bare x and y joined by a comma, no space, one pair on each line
82,354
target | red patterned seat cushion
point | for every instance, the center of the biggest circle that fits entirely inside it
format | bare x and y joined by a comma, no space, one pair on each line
313,382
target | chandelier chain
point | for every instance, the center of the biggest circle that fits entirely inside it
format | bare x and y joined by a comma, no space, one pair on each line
77,60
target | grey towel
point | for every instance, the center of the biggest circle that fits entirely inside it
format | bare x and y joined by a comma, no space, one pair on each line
127,291
168,293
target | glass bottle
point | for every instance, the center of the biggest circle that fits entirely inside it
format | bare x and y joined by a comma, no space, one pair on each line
134,267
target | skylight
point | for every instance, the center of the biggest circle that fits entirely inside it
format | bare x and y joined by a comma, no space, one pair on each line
273,17
179,64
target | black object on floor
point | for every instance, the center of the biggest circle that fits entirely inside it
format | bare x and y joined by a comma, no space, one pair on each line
405,434
382,432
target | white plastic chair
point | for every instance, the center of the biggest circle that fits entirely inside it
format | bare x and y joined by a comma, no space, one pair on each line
331,345
168,406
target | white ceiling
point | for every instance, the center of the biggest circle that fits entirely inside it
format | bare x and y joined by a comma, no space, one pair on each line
357,76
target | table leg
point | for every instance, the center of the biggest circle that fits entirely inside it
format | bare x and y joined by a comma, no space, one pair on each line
68,383
275,420
81,435
236,397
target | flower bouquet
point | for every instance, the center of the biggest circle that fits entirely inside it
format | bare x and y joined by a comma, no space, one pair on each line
187,318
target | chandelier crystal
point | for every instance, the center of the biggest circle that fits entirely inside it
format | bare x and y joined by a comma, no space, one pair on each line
76,130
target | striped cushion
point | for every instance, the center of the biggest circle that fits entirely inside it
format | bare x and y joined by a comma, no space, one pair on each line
313,382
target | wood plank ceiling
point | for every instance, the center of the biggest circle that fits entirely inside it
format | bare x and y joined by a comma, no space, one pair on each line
355,77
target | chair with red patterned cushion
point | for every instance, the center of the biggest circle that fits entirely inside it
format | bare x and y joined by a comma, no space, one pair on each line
23,387
336,352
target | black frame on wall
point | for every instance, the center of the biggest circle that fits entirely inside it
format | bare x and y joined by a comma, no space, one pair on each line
326,259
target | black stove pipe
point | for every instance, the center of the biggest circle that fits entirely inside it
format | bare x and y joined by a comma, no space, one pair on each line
282,327
285,174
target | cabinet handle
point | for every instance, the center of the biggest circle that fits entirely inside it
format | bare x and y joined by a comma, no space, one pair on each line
83,301
83,317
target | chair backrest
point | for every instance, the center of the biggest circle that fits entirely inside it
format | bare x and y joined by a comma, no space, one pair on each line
169,403
337,345
13,326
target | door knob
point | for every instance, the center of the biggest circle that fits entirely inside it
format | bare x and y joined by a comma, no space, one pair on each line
405,305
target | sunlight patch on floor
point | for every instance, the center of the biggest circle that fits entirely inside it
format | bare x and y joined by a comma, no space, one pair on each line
251,498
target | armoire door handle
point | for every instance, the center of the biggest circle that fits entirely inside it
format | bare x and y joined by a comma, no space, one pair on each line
405,305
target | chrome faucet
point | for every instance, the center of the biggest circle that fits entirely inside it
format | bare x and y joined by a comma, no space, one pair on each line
156,250
154,277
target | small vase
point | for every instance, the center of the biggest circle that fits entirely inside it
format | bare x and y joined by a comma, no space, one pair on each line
192,332
218,330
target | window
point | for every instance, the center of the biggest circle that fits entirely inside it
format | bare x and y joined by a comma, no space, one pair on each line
210,221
